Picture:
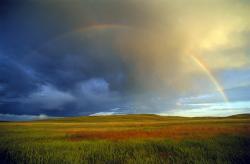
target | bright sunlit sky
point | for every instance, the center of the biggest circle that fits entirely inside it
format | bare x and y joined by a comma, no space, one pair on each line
63,58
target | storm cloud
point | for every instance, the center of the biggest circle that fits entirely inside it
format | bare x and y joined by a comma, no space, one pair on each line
67,58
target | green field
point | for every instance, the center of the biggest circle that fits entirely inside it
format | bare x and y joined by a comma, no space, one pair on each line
127,139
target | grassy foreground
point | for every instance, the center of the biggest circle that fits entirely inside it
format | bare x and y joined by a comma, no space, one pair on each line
127,139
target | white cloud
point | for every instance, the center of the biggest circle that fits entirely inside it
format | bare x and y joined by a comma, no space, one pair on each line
106,113
103,114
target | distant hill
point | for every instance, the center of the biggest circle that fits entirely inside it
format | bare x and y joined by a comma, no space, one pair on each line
134,118
246,115
131,118
115,118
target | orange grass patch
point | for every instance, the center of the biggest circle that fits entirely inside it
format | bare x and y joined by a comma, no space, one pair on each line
172,132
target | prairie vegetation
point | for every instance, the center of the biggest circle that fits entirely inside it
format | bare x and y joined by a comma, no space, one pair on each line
127,139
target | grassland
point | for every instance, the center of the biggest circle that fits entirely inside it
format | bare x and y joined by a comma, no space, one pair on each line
127,139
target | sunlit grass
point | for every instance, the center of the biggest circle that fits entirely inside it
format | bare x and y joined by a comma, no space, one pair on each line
127,139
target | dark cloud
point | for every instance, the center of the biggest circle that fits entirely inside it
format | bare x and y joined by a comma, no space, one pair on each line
13,117
65,58
16,79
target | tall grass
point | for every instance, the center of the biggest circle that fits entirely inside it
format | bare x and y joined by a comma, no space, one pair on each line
45,142
223,149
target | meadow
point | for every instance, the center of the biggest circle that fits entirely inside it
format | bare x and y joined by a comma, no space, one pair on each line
121,139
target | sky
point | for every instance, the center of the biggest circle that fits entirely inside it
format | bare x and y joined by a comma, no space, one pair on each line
62,58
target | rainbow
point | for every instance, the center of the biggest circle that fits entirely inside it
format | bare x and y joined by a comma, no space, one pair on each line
210,76
94,27
89,28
